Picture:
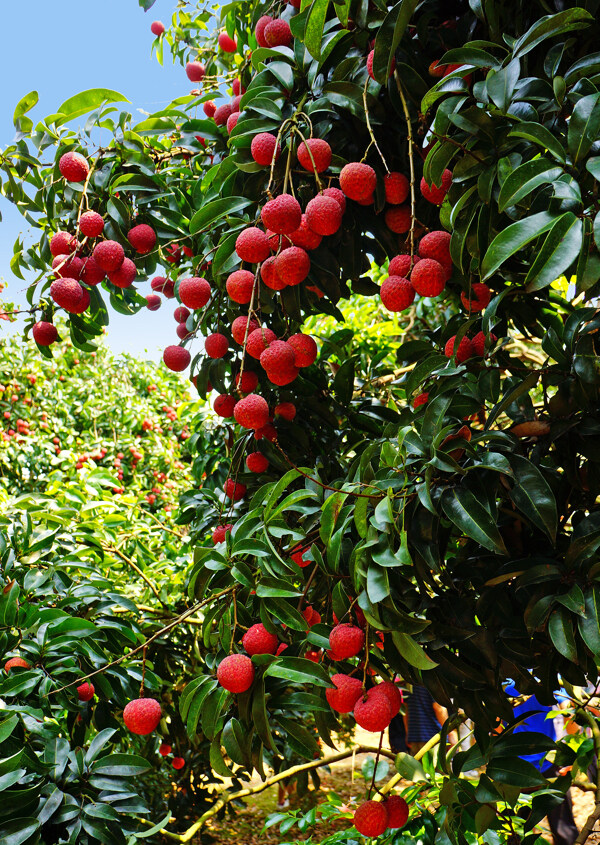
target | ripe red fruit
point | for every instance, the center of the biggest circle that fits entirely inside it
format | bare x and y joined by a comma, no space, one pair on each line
277,33
236,673
164,749
224,405
297,555
346,693
373,712
16,661
252,245
464,351
282,215
216,345
194,292
434,193
181,314
371,818
477,298
391,692
358,181
268,274
222,114
421,399
397,187
287,410
226,43
258,340
91,273
67,293
123,277
312,616
234,490
142,238
62,243
321,155
436,245
178,762
278,355
263,147
108,255
370,58
157,28
220,532
73,167
304,236
256,462
91,224
239,286
397,810
397,293
164,286
209,108
153,302
257,640
305,349
324,215
259,31
238,328
195,71
67,266
278,242
86,691
284,375
83,303
252,411
237,88
248,382
337,195
44,333
292,265
401,265
428,277
478,343
176,358
398,218
346,640
142,715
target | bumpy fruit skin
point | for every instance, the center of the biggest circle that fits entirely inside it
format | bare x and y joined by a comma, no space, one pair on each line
278,33
397,293
397,187
108,255
234,490
83,303
292,265
226,43
283,376
164,286
216,345
304,236
247,383
220,532
178,762
337,195
257,640
305,349
371,818
282,215
259,30
164,749
62,243
397,810
258,340
268,274
370,58
428,278
268,431
67,266
236,673
194,292
157,28
44,333
401,265
237,88
67,293
391,692
232,122
92,274
464,351
436,194
142,238
358,181
324,215
86,691
478,343
321,154
263,147
252,411
238,328
252,245
142,715
287,410
278,356
176,358
436,245
479,298
373,712
256,462
346,640
195,71
123,277
224,405
346,693
421,399
73,167
16,661
153,302
209,108
222,114
91,224
398,218
182,331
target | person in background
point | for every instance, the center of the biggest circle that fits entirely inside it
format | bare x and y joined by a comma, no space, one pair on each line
424,718
397,729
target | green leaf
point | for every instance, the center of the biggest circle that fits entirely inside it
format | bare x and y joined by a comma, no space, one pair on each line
472,518
18,831
330,512
313,32
343,383
87,101
300,670
550,26
215,210
389,37
523,387
513,771
378,583
539,134
299,738
513,238
121,765
584,126
560,628
532,495
502,84
525,179
24,105
409,768
589,625
412,652
561,247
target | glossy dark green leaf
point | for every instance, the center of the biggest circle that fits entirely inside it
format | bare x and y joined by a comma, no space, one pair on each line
472,518
18,831
513,238
86,101
502,84
298,670
589,625
412,652
584,126
560,628
525,179
533,496
560,249
389,37
315,22
549,27
538,134
215,210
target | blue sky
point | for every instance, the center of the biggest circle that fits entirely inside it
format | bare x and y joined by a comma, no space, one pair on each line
66,47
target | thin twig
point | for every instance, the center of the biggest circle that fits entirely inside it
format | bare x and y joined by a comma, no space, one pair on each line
409,134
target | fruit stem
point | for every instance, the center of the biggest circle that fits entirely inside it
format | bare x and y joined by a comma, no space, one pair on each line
373,139
409,135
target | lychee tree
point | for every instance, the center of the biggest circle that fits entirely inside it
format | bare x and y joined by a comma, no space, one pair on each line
438,519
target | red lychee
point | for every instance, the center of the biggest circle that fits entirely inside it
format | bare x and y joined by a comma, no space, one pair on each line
216,345
370,58
237,88
142,715
282,215
239,330
44,333
278,242
256,462
278,355
346,640
305,349
277,33
67,293
227,43
397,293
248,382
232,122
92,274
142,238
401,265
284,375
13,662
194,292
234,490
324,215
258,340
252,411
397,810
178,762
83,303
224,405
397,187
236,673
164,286
157,28
86,691
398,218
391,692
108,255
222,114
371,818
312,616
153,302
209,108
257,640
91,224
434,193
464,351
358,181
123,277
259,31
421,399
268,431
479,342
62,243
220,532
263,147
287,410
304,236
268,274
321,155
181,314
477,299
373,712
164,749
67,266
428,277
292,265
252,245
346,693
436,245
337,195
73,167
176,358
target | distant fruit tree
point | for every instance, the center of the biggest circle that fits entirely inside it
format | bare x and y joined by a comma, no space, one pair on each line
419,501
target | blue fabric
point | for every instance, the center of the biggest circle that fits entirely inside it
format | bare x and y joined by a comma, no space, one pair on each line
422,723
536,722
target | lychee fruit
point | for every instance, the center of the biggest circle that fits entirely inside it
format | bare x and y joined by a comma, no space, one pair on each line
178,762
358,181
324,215
256,462
312,616
436,245
232,122
428,277
237,87
282,215
397,810
292,265
91,224
397,293
86,691
67,266
397,188
222,114
73,167
398,218
277,33
278,242
464,351
83,303
153,301
216,345
479,342
259,31
304,236
252,411
287,410
321,155
62,243
239,330
373,712
142,715
346,640
142,238
194,292
92,274
157,28
391,692
236,673
164,286
346,693
234,490
181,314
401,265
209,109
337,195
268,274
370,58
224,405
164,749
263,147
19,662
252,245
305,349
176,358
248,381
220,532
195,71
435,194
108,255
284,375
257,640
268,431
258,340
67,293
477,299
227,43
123,276
44,333
421,399
371,818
